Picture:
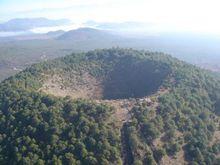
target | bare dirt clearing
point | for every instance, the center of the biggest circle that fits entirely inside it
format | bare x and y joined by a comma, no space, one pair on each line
80,86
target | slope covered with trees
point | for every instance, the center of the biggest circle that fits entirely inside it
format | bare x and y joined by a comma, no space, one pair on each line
178,122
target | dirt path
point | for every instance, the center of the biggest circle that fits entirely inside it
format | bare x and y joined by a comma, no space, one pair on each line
122,109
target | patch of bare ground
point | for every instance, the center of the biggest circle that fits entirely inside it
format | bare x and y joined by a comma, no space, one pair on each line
122,108
216,135
80,86
178,159
216,138
177,136
158,143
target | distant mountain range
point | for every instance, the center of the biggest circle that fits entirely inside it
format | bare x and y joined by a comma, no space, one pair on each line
80,34
86,34
25,24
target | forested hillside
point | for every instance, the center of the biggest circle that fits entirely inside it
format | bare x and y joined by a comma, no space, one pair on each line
110,106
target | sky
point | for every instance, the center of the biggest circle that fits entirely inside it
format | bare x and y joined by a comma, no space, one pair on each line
166,15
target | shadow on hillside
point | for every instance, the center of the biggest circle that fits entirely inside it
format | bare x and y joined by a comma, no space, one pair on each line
132,78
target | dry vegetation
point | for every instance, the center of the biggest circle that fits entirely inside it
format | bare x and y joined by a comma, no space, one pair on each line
80,86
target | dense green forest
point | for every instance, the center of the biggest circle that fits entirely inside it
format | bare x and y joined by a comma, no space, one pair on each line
38,128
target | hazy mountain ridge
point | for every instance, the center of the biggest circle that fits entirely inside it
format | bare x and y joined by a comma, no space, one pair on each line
86,34
25,24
